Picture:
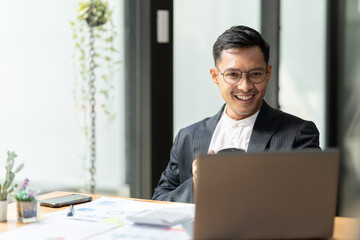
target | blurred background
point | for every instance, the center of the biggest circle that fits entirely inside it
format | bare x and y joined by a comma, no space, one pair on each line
162,84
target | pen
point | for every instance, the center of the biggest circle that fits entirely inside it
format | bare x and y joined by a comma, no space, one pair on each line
71,211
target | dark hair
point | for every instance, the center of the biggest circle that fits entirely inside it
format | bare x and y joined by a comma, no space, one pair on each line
240,37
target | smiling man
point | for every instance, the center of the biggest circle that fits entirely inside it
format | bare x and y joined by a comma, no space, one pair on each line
245,122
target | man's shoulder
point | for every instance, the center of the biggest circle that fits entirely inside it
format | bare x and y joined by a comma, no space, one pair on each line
280,121
278,114
208,124
275,129
289,117
196,126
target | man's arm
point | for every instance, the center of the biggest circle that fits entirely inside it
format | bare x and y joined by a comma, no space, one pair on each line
307,137
170,187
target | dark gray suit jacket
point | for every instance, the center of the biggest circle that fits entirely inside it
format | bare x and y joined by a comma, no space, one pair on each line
273,130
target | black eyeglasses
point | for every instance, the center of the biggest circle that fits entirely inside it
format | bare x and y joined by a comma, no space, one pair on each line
233,76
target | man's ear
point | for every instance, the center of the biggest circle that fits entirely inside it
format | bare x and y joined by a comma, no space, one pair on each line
269,69
214,76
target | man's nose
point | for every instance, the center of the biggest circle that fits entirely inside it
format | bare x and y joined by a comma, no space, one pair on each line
245,84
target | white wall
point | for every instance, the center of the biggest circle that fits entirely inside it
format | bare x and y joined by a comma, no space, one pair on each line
302,60
197,24
38,118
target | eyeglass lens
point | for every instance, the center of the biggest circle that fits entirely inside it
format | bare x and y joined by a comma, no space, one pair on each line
234,76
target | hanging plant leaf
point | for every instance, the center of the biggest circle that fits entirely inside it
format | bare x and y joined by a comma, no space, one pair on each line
94,29
95,14
105,93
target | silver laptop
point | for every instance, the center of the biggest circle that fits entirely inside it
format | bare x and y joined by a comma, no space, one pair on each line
266,195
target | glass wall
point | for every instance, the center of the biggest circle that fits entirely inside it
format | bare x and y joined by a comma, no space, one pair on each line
39,120
197,24
302,61
349,112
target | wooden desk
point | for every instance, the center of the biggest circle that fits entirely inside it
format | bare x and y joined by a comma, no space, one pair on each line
344,228
12,212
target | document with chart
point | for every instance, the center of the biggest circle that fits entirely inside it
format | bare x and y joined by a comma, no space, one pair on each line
105,218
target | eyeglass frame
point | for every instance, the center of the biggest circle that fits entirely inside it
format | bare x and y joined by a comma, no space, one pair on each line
241,74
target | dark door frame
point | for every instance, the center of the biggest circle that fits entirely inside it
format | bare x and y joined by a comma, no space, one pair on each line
270,30
149,95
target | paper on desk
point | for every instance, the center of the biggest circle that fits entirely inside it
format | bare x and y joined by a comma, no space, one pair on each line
140,232
104,218
116,210
56,228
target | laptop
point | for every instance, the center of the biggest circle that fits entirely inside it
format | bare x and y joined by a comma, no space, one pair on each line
269,195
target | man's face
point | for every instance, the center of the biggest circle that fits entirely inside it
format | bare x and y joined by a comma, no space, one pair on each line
244,98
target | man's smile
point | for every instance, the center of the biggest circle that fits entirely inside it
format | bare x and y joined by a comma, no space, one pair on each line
244,98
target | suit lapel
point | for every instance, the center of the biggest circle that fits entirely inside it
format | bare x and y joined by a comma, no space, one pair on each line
202,138
264,128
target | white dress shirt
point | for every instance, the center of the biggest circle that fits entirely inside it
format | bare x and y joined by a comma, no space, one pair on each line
232,134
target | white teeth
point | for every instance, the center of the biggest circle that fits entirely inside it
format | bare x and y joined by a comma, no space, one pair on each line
244,98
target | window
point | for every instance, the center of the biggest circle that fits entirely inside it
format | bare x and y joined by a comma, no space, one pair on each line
38,119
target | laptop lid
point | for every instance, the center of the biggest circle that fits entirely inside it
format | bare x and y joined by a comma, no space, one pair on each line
266,195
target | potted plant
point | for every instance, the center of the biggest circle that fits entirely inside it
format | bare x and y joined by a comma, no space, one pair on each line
7,187
97,16
28,205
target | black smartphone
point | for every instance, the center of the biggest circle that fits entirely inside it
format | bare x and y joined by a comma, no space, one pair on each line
65,200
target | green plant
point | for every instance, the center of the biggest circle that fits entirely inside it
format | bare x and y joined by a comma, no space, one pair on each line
23,194
94,55
98,17
8,185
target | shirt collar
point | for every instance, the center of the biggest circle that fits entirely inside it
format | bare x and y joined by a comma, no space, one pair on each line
242,122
